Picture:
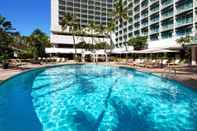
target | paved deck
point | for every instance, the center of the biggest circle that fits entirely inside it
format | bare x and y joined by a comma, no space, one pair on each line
186,75
6,73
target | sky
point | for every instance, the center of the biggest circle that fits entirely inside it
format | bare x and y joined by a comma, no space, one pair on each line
27,15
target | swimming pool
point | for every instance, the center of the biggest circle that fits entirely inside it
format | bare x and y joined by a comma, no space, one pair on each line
95,98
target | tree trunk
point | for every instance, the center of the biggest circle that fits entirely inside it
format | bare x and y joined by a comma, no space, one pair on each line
93,47
75,54
111,42
126,52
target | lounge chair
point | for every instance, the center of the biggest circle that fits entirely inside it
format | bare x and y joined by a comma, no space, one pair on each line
130,62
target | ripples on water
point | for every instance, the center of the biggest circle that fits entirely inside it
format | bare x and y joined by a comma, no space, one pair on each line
95,98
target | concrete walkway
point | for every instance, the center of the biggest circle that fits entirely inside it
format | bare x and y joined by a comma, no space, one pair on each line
6,73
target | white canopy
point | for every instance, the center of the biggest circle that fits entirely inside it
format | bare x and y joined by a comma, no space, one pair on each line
62,50
72,51
153,50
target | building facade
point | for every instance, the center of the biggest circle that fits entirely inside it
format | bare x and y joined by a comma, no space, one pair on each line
162,21
86,11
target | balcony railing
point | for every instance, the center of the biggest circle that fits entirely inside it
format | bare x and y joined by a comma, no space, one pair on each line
153,31
167,15
167,27
144,15
153,1
152,21
154,10
167,3
144,24
184,22
184,8
166,36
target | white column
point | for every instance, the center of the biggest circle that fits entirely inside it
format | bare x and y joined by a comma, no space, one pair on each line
194,55
106,58
174,20
83,57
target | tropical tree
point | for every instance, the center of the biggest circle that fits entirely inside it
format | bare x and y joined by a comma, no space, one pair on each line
138,42
6,39
121,14
184,40
71,23
109,30
185,53
92,28
101,30
37,41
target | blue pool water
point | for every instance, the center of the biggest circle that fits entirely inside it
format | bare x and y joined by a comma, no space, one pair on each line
95,98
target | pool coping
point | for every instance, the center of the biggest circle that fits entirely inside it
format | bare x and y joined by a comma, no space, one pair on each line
37,68
118,66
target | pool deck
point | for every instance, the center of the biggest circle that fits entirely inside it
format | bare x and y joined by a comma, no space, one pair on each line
185,75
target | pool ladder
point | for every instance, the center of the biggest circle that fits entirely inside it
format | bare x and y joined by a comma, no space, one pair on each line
169,70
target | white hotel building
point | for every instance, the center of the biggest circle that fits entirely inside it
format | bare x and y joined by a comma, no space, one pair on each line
86,11
162,21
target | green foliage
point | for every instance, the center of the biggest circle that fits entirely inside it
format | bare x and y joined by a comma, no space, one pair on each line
27,54
138,42
25,46
71,23
102,45
110,27
120,11
184,40
5,38
37,42
3,58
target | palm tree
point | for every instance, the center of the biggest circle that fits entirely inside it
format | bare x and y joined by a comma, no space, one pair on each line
109,30
5,26
71,23
121,15
5,40
92,29
184,40
101,30
37,41
5,32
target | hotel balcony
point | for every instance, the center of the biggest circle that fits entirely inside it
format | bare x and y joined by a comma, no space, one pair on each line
136,2
143,25
144,15
153,1
167,3
144,7
144,4
184,22
166,15
154,21
184,8
166,36
167,27
154,10
154,31
183,33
